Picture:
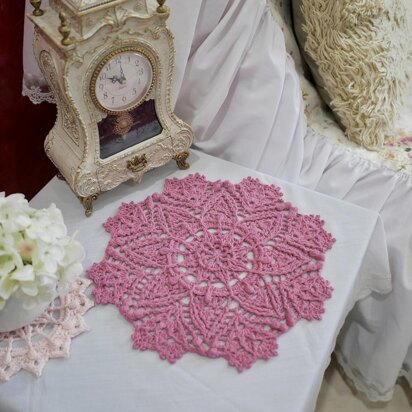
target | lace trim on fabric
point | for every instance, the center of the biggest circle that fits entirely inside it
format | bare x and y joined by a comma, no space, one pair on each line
213,268
49,336
37,95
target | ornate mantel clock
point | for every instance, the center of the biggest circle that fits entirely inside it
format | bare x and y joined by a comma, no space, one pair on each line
109,64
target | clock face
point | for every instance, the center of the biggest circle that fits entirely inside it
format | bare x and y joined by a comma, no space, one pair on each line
122,81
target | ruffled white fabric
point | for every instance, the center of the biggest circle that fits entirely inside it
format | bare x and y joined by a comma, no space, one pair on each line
236,84
374,342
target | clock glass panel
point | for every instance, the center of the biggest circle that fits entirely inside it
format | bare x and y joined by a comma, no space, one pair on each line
122,81
120,132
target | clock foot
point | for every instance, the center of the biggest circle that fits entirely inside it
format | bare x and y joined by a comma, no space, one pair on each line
87,202
181,160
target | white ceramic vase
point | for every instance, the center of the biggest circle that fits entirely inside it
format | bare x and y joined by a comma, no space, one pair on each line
13,316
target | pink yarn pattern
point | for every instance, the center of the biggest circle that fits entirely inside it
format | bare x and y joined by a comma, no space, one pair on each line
49,336
214,268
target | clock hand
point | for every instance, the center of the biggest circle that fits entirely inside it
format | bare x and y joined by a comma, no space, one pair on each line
123,77
115,79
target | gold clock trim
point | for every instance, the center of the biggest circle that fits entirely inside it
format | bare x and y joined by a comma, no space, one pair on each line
103,62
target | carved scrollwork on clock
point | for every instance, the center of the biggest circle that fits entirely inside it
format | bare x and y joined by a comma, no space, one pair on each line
87,184
48,146
69,122
182,141
139,7
48,143
161,154
137,33
116,17
78,57
155,32
113,174
133,166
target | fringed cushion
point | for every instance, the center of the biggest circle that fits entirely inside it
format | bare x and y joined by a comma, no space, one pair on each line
357,52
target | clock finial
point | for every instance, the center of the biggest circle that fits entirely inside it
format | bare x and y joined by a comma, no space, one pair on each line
161,8
37,10
64,30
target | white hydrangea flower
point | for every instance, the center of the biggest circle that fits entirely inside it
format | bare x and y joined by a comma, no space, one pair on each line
36,255
10,261
70,264
48,256
47,225
25,246
40,290
6,238
14,212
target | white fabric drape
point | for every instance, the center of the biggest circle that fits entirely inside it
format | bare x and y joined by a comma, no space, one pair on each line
373,345
235,83
244,99
34,85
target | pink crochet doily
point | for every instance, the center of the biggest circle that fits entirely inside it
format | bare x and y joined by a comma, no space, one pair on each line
49,336
214,268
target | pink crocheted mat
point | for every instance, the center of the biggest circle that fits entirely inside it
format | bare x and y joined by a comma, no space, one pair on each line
213,268
49,336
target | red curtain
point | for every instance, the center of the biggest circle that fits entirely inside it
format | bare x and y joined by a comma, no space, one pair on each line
24,167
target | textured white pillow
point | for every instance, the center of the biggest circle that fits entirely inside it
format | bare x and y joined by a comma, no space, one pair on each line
357,51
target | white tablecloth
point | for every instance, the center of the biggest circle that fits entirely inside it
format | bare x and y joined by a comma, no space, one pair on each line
103,373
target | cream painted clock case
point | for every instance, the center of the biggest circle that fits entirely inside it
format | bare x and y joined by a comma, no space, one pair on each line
109,65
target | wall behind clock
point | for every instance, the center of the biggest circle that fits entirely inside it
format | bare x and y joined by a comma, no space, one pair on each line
24,167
